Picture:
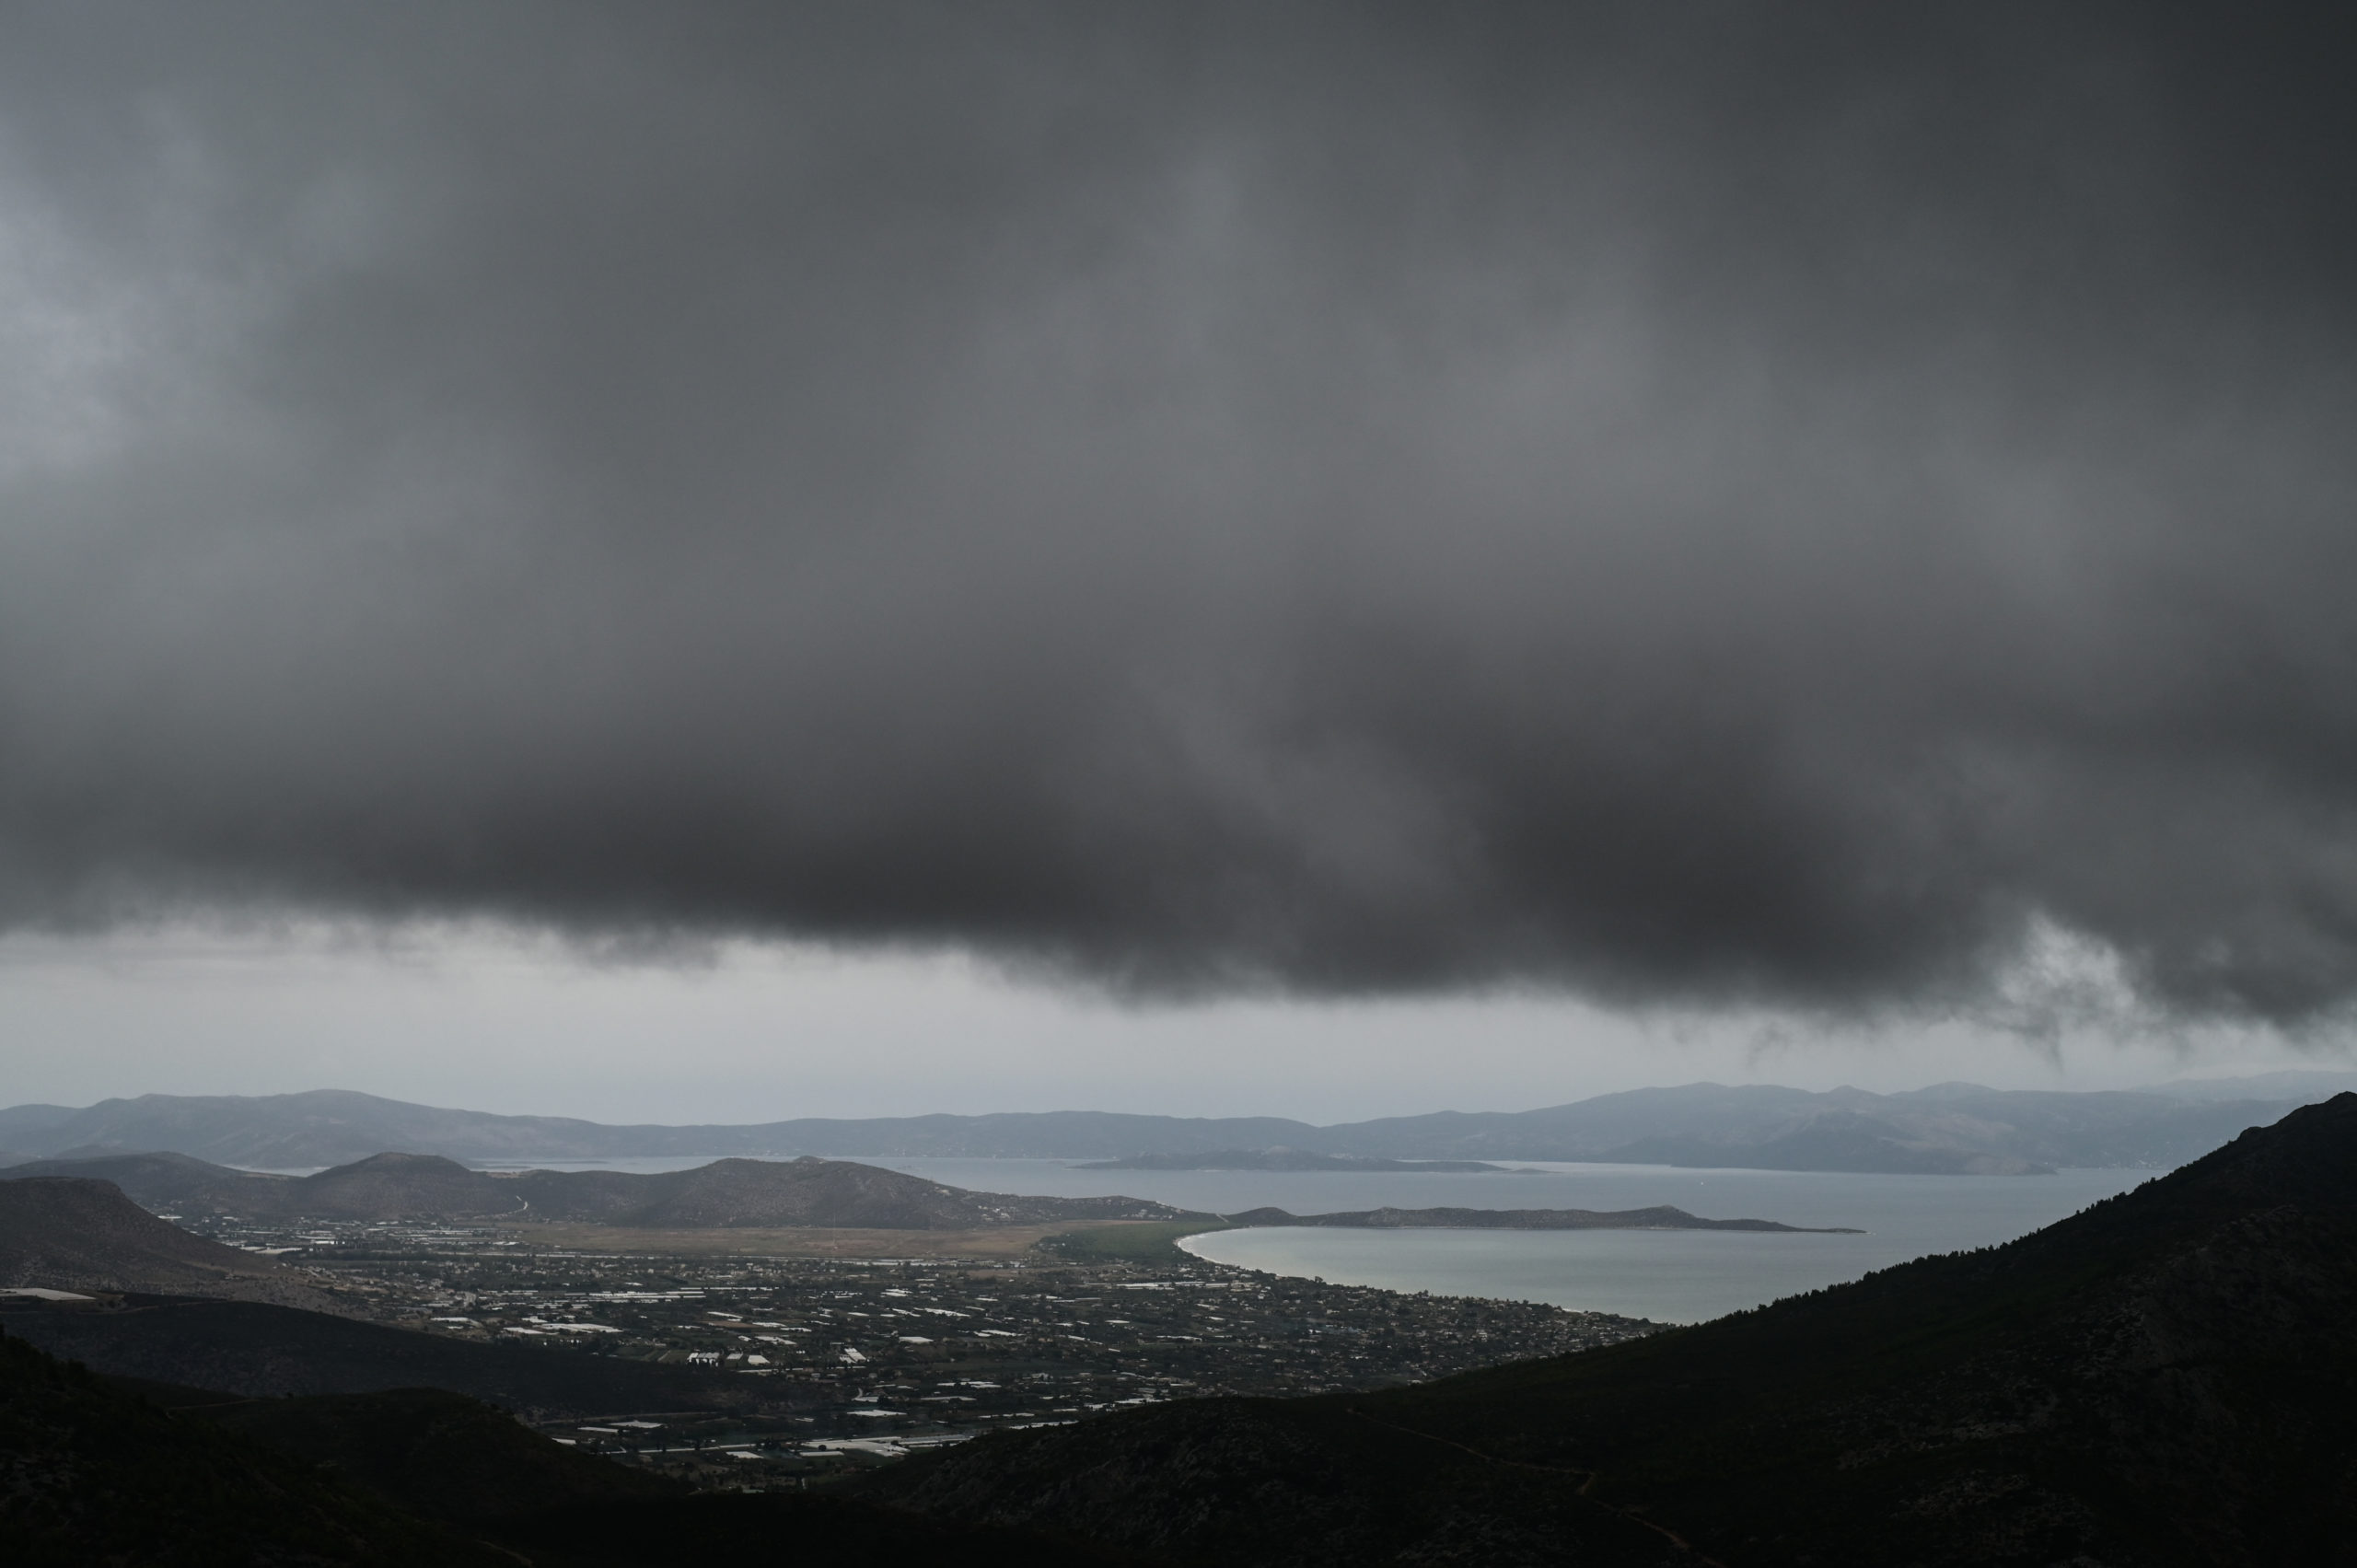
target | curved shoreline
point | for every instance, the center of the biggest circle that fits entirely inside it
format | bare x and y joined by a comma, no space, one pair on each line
1658,1217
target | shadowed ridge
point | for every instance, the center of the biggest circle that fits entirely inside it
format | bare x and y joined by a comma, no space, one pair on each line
2309,1157
463,1464
2306,1161
66,1233
383,1186
99,1475
166,1182
440,1455
260,1351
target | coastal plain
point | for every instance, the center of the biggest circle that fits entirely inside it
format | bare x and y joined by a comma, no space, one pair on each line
794,1241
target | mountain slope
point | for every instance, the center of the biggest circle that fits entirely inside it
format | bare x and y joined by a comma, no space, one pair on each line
265,1352
439,1454
163,1181
385,1186
459,1463
96,1475
64,1234
2168,1378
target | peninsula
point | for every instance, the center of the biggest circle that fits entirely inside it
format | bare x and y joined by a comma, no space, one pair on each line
1662,1217
1283,1159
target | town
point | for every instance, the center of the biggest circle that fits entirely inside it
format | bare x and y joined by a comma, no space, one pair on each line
838,1364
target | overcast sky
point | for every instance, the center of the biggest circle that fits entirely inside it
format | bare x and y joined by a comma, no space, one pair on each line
972,549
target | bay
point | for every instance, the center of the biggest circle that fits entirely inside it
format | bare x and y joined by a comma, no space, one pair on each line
1665,1275
1668,1276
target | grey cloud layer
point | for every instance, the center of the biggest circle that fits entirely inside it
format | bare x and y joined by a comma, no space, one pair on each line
1682,502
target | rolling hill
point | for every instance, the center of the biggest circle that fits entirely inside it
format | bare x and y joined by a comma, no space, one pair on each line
726,1193
731,1193
806,1192
2168,1379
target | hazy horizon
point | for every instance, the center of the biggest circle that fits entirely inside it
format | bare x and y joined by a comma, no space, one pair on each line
756,1034
2257,1078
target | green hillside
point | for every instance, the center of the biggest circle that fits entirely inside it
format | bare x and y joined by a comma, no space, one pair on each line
1143,1242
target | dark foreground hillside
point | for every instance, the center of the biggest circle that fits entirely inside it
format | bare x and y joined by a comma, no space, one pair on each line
147,1476
268,1352
2168,1379
96,1475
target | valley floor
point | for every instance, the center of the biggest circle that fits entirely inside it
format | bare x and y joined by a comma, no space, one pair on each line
836,1362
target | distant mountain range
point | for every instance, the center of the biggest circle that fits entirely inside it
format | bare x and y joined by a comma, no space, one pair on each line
1946,1129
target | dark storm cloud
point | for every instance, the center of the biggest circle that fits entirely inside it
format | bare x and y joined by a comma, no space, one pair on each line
1699,502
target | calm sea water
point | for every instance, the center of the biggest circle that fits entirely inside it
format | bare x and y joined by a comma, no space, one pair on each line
1669,1276
1666,1275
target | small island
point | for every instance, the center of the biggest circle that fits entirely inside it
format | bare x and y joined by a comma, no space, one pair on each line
1659,1218
1280,1159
